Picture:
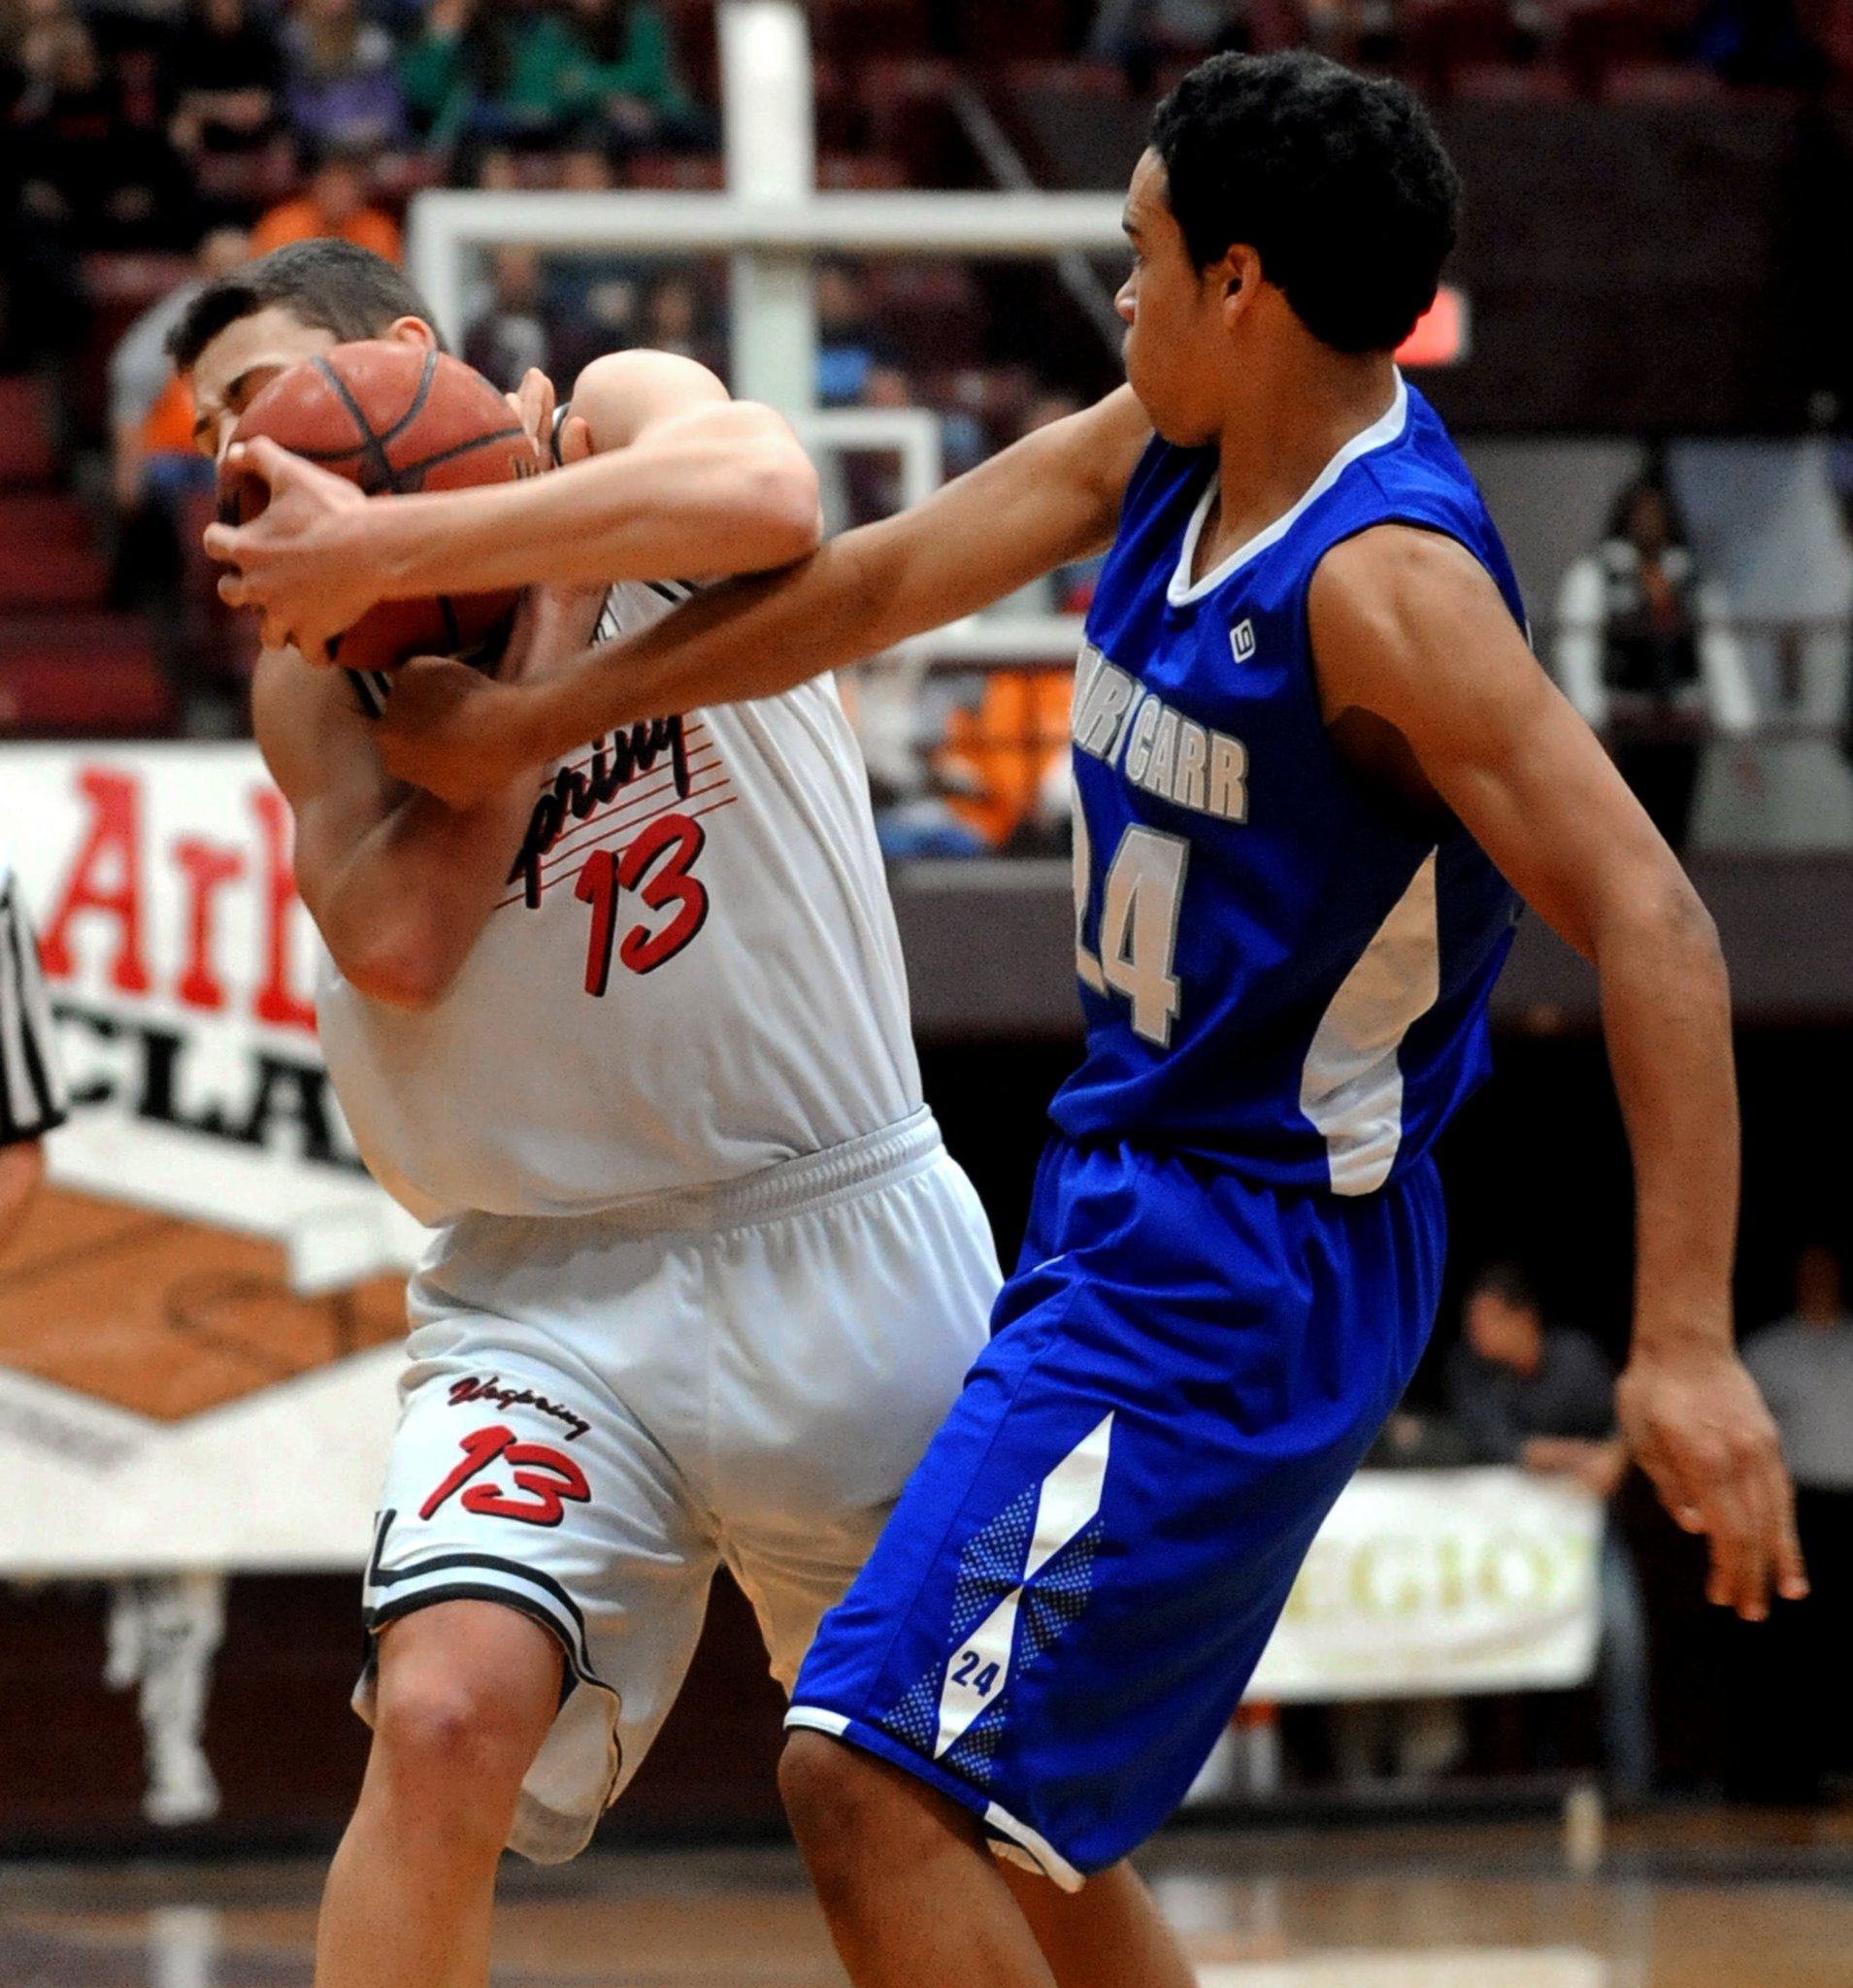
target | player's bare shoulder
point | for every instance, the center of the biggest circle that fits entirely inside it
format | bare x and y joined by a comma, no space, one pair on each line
1405,620
620,394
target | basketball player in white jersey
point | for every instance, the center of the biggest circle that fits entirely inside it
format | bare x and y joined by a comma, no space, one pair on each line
633,1036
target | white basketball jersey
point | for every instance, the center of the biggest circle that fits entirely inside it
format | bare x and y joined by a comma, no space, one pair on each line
694,973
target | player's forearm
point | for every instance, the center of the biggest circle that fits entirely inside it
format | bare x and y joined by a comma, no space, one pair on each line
668,511
1665,1004
756,638
982,537
403,905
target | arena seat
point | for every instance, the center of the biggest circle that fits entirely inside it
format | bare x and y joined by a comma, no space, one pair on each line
1441,38
1594,39
66,664
27,454
1507,83
79,674
1660,82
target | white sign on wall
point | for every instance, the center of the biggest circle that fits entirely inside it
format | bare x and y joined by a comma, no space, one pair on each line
180,962
1431,1582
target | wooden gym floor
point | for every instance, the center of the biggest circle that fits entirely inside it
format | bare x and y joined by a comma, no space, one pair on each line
1692,1900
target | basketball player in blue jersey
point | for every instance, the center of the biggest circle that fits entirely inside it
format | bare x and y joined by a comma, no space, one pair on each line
1317,766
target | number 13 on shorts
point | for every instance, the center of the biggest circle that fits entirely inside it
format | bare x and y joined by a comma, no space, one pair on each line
1138,932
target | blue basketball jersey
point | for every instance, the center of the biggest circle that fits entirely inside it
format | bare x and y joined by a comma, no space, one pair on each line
1275,972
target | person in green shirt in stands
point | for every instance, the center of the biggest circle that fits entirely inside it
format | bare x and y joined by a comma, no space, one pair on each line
520,70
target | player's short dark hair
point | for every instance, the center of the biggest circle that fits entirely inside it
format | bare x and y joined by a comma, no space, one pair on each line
1337,181
1510,1284
336,284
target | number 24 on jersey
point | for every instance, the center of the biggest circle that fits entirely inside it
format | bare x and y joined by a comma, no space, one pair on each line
1137,929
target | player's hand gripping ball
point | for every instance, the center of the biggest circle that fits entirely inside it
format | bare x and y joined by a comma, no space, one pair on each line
394,419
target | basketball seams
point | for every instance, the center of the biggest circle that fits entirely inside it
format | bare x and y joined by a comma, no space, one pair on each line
323,458
371,449
419,395
427,463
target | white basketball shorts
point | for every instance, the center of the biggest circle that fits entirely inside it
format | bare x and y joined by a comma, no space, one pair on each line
601,1410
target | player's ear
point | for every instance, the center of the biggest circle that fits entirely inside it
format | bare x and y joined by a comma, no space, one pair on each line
1235,280
412,331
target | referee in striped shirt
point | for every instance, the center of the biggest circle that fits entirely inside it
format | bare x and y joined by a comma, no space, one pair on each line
32,1093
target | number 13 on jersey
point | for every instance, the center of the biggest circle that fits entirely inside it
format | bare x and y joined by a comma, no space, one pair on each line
1138,932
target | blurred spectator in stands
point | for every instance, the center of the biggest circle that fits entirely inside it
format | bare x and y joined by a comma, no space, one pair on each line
849,347
153,448
676,319
44,307
1543,1398
472,74
228,74
595,301
1645,651
334,202
164,498
1792,1703
871,476
1757,44
1142,34
513,332
82,163
521,70
342,77
616,64
112,182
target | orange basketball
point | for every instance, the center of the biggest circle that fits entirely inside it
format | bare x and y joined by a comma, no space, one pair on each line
394,418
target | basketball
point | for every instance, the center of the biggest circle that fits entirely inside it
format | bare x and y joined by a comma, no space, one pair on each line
395,418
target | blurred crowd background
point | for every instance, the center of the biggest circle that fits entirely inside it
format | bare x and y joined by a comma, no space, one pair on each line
147,144
1650,366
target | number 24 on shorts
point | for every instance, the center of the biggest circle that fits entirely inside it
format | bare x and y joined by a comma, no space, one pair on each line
1137,923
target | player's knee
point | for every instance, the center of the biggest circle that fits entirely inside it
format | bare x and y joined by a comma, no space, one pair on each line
841,1809
455,1721
442,1735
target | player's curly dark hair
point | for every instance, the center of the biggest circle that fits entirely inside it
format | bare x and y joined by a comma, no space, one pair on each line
1337,181
345,288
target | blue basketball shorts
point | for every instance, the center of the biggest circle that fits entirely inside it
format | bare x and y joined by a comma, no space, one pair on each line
1085,1569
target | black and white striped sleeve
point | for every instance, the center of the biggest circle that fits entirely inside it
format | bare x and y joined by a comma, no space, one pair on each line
33,1098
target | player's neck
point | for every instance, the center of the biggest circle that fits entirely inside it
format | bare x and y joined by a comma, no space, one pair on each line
1286,421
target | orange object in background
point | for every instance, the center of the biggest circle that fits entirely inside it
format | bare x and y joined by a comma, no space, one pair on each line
303,220
1441,337
1000,754
168,429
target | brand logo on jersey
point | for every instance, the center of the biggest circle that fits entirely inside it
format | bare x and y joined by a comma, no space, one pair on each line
477,1388
573,795
1155,747
1242,639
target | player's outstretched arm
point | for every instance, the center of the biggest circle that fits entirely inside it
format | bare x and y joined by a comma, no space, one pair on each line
665,477
1408,628
1050,498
